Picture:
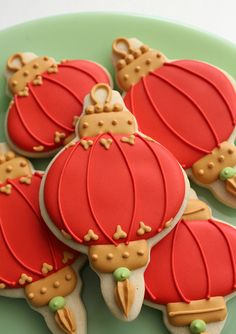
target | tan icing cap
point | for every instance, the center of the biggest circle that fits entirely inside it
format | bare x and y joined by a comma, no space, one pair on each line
12,166
134,60
105,112
197,210
23,68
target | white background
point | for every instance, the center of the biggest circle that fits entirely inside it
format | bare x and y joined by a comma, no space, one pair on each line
215,16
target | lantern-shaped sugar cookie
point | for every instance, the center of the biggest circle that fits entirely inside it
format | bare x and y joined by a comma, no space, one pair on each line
192,272
33,264
47,100
188,106
112,193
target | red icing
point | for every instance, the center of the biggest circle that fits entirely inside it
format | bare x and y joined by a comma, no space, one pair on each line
188,106
50,107
197,260
25,241
99,189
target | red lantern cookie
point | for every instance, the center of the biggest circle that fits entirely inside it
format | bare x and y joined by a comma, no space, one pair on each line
113,193
33,264
47,100
188,106
192,272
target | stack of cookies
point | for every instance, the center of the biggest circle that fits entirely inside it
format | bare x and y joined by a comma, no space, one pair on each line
116,191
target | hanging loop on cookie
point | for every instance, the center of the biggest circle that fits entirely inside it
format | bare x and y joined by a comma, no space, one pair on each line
121,47
15,62
101,96
101,93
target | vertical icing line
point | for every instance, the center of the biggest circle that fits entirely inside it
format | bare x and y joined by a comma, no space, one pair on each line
208,292
193,102
59,191
163,218
132,223
77,68
49,235
88,192
44,111
69,90
34,136
177,286
148,290
40,220
232,258
173,64
170,128
13,254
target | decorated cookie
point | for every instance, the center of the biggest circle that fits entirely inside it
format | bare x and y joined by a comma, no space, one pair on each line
188,106
47,100
33,264
111,193
192,272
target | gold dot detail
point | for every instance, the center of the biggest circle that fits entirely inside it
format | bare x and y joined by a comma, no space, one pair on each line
201,172
137,69
130,122
221,158
56,284
45,58
94,257
211,165
158,55
35,66
23,163
68,277
85,125
25,73
43,291
114,122
148,61
9,169
100,123
31,295
125,255
126,77
110,256
140,252
14,83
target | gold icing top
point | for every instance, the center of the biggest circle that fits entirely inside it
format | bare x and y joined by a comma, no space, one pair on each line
134,61
105,112
197,210
25,70
12,166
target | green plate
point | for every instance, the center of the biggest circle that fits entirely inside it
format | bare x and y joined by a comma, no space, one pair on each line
89,36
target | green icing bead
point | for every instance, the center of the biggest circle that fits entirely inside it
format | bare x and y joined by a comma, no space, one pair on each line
57,303
227,173
197,326
121,274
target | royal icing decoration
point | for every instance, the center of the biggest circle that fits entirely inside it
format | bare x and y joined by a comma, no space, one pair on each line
111,212
48,97
199,258
30,257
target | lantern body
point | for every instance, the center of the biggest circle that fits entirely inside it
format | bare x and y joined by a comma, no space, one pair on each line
197,260
188,106
39,122
100,189
26,244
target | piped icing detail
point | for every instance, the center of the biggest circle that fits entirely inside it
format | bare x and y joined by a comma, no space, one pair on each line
191,242
37,116
115,176
42,249
202,89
